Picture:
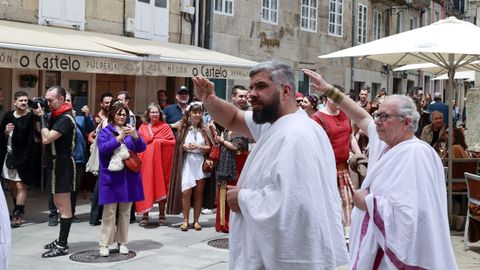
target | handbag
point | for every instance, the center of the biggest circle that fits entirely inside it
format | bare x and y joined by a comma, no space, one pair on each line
133,162
10,161
208,165
93,163
211,159
214,154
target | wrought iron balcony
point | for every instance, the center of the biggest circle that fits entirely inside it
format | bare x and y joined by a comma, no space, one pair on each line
390,2
407,3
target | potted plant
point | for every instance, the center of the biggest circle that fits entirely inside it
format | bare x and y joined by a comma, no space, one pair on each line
28,80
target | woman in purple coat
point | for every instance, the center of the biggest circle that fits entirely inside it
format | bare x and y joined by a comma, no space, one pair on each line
118,186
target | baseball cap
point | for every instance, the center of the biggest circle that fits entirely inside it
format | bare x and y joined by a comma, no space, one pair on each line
182,89
298,95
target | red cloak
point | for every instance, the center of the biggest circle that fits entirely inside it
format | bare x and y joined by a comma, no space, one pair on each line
157,162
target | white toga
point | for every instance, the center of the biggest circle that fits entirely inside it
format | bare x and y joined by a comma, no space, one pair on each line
290,206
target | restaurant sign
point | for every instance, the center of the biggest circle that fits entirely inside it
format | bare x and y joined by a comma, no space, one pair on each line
74,63
189,70
64,62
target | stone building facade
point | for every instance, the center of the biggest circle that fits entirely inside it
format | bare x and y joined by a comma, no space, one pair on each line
296,32
243,32
169,21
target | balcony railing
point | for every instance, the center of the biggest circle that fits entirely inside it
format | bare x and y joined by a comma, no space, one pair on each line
390,2
409,3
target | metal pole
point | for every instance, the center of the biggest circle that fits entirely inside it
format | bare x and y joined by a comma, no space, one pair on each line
352,59
450,89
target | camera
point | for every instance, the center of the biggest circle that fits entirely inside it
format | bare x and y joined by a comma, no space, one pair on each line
34,102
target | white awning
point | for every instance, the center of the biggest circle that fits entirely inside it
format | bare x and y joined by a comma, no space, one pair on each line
459,75
40,47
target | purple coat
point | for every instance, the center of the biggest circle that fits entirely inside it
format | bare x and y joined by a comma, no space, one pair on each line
120,186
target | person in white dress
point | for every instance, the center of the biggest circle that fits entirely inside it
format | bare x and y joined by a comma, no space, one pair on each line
187,175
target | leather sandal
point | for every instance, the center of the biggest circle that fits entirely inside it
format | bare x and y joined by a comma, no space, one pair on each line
51,245
162,220
57,250
184,226
143,222
197,226
16,222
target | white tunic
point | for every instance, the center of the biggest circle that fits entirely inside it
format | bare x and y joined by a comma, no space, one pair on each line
291,208
9,174
5,232
192,164
406,219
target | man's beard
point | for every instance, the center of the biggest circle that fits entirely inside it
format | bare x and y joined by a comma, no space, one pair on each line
269,112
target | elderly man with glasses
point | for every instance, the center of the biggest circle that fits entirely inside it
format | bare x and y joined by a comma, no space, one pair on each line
400,215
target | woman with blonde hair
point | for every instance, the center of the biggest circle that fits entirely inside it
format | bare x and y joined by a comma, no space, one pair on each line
157,162
187,175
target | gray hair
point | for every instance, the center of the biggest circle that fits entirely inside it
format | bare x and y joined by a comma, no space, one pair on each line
280,73
152,105
407,109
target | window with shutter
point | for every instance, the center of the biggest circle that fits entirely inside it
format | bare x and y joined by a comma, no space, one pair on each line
152,19
70,13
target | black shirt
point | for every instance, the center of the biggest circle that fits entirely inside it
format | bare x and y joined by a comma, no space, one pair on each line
63,146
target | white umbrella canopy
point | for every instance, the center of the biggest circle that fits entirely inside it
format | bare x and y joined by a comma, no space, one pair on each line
432,68
468,75
449,44
468,72
434,43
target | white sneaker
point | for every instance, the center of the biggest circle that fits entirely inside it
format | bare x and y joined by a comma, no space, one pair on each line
206,211
104,251
122,249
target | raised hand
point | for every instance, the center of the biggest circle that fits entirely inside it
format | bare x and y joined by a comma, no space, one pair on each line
317,82
203,87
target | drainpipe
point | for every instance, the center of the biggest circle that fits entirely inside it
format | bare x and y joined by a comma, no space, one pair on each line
352,60
124,19
207,27
197,15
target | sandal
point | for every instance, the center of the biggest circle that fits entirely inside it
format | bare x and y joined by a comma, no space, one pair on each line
162,220
16,222
143,222
57,250
51,245
184,226
197,226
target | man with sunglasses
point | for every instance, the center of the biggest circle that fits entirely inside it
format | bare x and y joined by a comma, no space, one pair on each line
400,215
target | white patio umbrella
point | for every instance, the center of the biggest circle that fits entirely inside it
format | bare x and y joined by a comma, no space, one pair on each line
449,44
468,75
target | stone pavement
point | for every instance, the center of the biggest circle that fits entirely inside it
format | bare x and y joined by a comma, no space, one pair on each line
156,247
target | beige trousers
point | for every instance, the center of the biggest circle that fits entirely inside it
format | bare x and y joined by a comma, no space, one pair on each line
111,233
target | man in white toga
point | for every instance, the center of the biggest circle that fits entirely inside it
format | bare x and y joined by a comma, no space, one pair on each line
286,209
400,215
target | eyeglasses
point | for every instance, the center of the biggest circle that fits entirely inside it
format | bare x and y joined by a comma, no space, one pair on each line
299,101
385,116
121,115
